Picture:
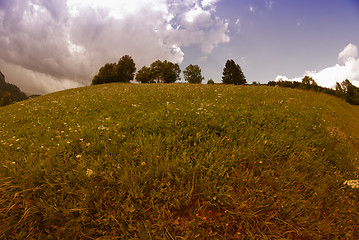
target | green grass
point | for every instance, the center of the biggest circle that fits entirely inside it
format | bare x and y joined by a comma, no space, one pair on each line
179,161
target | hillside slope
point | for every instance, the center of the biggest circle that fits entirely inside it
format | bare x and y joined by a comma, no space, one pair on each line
16,93
179,161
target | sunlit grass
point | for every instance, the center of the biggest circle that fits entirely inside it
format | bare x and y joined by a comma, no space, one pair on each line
179,161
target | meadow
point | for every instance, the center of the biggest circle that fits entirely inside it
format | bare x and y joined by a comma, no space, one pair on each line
179,161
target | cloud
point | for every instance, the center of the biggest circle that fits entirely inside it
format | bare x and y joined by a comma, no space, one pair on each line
350,51
67,41
251,8
269,4
35,80
238,25
348,68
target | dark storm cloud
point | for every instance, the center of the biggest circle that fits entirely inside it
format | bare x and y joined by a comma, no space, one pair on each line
67,41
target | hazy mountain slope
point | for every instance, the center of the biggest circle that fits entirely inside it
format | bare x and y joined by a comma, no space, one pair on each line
16,93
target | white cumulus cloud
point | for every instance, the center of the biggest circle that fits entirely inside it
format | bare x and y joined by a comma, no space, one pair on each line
64,43
347,68
349,52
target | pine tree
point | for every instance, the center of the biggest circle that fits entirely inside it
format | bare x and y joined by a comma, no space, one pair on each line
232,74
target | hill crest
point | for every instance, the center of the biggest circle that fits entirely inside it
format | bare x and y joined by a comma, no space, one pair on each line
135,160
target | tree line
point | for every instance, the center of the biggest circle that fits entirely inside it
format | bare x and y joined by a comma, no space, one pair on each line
162,72
167,72
344,90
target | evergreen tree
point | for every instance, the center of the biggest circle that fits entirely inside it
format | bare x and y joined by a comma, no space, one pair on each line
232,74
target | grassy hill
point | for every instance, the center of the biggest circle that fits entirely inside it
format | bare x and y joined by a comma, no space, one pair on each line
179,161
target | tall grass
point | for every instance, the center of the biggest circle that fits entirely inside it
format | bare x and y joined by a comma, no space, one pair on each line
179,161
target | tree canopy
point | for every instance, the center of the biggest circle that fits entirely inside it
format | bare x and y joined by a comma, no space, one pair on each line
350,92
309,83
193,74
210,81
144,75
159,72
123,71
232,74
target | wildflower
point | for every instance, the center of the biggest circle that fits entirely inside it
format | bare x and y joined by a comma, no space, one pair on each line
78,156
101,128
89,172
352,183
143,163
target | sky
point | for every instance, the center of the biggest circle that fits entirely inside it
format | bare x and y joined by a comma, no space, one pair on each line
51,45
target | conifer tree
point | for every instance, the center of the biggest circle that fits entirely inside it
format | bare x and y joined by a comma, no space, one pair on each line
232,74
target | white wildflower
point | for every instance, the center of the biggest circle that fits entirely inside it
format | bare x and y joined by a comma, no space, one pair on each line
102,128
89,172
352,183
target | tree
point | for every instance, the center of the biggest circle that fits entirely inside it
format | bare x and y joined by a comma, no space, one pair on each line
123,71
210,81
163,72
351,92
339,92
171,72
144,75
193,74
309,83
5,99
157,71
105,74
232,74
